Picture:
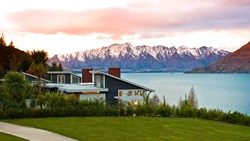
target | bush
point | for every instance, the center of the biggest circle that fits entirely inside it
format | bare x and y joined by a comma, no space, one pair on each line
130,110
2,114
140,110
121,108
187,111
202,113
236,118
111,110
164,111
55,105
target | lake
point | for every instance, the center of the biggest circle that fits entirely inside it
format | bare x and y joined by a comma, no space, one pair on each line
228,92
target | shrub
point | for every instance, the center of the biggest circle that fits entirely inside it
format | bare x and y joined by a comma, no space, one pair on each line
140,110
164,111
130,110
2,114
202,113
121,108
111,110
41,100
236,118
187,111
15,86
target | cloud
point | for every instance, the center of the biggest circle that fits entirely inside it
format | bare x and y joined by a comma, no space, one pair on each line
147,18
237,2
113,21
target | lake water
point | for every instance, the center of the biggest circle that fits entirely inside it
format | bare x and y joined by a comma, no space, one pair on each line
228,92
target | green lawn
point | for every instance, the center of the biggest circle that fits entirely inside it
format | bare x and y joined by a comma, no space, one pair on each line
7,137
140,128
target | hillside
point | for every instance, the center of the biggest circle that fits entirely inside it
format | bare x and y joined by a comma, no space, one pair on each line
141,58
12,58
236,62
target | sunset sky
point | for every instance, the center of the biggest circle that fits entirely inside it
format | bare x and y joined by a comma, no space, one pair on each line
67,26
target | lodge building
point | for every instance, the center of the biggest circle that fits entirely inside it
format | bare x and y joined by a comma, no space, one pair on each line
97,84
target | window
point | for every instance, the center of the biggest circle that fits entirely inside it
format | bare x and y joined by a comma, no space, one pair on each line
130,93
98,81
61,79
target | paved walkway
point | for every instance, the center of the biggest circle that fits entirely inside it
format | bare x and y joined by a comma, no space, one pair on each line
32,134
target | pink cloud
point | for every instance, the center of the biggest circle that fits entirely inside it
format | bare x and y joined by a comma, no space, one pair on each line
113,21
149,19
237,2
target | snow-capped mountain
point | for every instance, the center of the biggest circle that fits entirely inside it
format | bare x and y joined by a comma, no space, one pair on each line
141,58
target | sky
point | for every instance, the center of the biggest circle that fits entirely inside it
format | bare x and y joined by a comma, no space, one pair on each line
67,26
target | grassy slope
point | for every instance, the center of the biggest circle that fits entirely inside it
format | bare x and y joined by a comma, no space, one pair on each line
7,137
139,128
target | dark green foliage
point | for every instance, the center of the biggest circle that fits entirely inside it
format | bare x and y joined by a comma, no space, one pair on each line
140,110
60,68
130,110
55,67
121,108
164,110
12,58
111,110
15,86
39,64
58,105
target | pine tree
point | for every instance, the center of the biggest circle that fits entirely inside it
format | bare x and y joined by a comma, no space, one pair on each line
155,100
53,67
60,68
56,67
2,41
11,44
15,61
192,100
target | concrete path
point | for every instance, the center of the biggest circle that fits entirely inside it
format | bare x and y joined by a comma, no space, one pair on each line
32,134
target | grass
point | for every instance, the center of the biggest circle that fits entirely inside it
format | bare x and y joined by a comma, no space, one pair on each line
7,137
139,128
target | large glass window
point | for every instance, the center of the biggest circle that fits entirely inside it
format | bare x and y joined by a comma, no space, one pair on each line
99,81
61,79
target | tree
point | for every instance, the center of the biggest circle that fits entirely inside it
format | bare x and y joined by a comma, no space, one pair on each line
164,100
146,98
39,64
60,68
192,100
155,100
2,41
53,67
12,58
15,61
56,67
3,55
15,86
182,103
11,44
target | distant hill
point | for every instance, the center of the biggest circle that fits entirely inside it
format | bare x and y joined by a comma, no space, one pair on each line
12,58
141,58
236,62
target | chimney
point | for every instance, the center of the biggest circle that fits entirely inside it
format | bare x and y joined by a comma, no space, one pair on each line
86,75
115,72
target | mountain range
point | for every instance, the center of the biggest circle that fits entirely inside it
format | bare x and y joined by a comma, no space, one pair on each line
236,62
141,58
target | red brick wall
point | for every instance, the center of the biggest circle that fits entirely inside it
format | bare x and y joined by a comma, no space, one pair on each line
115,72
86,75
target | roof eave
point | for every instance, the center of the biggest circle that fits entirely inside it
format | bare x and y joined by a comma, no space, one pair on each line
99,72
